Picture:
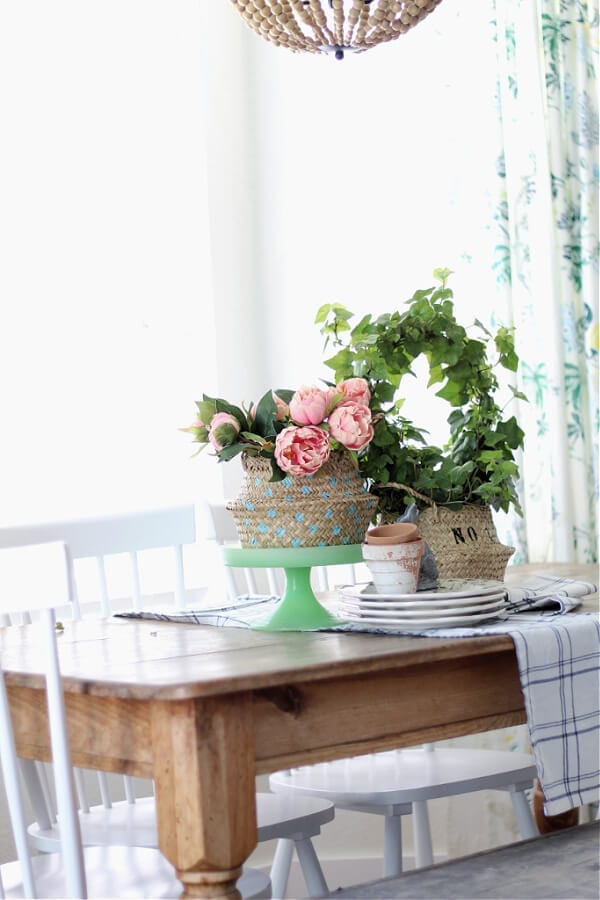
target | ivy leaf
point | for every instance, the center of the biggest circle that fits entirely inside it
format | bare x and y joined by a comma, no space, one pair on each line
452,392
442,274
519,395
339,311
513,433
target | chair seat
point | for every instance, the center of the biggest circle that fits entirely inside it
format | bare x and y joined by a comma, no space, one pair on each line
404,776
119,872
284,816
134,824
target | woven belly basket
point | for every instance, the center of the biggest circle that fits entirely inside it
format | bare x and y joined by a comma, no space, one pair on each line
328,508
464,542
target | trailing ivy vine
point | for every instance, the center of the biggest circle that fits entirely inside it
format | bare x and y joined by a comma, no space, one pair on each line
477,464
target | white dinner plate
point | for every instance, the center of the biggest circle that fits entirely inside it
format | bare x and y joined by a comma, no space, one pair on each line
385,613
422,624
454,603
447,588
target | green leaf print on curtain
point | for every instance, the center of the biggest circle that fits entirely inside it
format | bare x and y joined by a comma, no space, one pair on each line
546,263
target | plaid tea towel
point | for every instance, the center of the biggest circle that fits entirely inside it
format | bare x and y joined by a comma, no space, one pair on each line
549,594
559,669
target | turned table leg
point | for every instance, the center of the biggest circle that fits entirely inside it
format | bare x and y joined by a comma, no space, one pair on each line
204,774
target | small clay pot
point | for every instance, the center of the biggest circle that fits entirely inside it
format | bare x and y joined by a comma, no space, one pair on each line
396,533
394,568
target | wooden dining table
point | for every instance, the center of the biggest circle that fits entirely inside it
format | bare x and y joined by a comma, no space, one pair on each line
202,710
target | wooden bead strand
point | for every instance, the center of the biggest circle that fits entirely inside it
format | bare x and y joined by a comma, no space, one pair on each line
332,26
353,16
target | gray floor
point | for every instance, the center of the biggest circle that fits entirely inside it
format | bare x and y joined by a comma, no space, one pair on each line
560,866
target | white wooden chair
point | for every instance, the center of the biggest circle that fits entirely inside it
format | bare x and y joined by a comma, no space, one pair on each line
131,538
396,783
36,578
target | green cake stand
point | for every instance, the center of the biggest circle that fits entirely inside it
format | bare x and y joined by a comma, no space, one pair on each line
299,609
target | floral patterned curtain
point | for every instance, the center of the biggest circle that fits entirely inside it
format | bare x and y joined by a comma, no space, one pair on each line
545,260
546,263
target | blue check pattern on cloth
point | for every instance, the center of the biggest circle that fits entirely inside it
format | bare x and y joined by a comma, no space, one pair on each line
559,666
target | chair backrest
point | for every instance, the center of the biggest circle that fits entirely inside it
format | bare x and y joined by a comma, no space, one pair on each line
105,540
37,577
106,536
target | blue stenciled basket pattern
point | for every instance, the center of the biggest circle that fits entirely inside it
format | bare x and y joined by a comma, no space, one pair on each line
328,508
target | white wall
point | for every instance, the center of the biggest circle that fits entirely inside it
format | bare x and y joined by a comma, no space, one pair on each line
105,284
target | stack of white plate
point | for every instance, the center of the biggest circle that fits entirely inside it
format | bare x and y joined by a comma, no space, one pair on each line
455,601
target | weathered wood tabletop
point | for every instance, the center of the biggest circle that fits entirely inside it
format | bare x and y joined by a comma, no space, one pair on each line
203,710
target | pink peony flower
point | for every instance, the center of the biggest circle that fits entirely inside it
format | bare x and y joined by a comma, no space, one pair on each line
350,424
224,429
308,405
301,450
356,389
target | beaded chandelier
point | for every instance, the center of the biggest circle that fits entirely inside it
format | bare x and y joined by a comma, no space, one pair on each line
333,26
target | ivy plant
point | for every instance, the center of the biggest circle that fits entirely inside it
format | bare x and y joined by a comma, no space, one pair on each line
478,462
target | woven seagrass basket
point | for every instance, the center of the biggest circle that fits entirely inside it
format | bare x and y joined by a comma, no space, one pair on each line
464,541
328,508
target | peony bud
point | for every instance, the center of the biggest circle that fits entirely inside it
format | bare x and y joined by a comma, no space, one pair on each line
224,429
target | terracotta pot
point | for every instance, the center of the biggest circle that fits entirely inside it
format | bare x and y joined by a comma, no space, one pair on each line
396,533
394,568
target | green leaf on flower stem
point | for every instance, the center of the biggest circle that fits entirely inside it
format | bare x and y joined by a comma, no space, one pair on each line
235,411
285,394
230,451
276,473
255,445
266,413
257,439
207,408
